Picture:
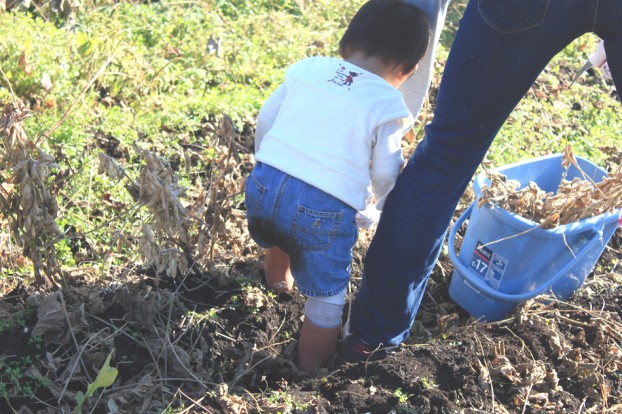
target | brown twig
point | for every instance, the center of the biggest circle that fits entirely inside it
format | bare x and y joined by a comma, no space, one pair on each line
492,389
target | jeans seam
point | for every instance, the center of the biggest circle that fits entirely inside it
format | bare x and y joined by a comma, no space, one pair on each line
526,25
277,200
261,190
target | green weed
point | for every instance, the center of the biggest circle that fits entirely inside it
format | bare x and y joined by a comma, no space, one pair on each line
16,321
17,379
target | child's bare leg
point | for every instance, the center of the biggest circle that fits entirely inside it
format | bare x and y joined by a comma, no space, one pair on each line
276,267
320,331
316,345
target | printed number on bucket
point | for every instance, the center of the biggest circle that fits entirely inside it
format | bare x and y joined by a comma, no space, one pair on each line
489,265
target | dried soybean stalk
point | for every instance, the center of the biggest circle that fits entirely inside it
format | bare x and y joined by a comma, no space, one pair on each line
573,201
32,207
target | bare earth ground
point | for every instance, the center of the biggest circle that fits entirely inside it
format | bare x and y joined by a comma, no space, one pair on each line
214,344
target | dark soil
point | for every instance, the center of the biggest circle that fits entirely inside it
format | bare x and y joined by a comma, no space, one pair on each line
221,343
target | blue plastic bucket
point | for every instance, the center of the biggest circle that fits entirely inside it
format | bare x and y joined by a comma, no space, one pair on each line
506,259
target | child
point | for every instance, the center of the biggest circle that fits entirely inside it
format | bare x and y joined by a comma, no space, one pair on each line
326,136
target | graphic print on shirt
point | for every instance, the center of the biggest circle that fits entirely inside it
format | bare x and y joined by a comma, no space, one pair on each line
344,77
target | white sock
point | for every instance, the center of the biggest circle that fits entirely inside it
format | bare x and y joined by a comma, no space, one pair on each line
325,311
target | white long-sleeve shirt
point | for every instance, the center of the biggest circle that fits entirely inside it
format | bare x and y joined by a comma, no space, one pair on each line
337,127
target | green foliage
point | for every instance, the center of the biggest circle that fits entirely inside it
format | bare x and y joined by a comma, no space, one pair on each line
403,405
238,8
168,67
282,399
18,379
428,383
105,378
402,397
15,321
552,115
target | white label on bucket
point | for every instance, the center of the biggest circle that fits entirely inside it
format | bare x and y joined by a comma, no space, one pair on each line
488,264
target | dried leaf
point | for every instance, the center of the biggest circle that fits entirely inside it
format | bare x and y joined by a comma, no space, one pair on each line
502,367
24,64
55,323
573,201
227,129
255,298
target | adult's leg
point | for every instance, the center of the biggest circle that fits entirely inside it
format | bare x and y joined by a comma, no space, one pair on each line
499,50
608,27
415,89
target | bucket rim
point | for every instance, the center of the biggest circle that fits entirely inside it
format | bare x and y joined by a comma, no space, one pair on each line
522,224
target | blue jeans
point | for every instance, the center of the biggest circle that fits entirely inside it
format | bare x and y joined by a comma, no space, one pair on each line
498,52
415,89
316,230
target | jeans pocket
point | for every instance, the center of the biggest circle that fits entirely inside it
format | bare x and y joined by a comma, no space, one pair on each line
254,192
510,16
314,230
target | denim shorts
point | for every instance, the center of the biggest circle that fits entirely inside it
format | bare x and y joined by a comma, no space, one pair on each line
317,230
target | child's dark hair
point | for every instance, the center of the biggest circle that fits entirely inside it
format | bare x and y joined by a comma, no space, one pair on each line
392,30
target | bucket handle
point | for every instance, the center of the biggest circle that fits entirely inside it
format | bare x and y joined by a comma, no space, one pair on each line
477,283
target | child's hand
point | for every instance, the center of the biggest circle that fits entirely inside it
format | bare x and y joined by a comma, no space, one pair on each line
368,218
